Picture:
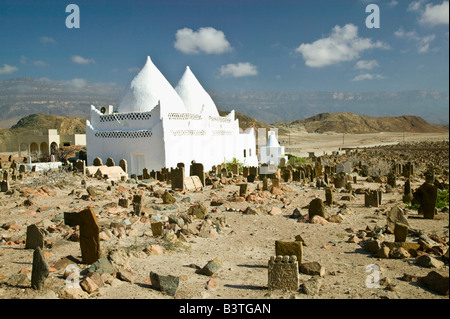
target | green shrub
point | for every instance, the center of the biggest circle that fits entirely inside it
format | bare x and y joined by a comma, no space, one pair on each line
234,161
442,199
441,202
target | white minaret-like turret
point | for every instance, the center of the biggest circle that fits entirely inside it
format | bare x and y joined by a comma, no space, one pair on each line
148,88
194,96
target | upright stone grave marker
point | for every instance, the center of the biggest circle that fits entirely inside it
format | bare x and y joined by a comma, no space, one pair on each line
426,196
89,236
243,189
177,178
196,169
283,273
316,207
40,270
98,161
35,238
110,162
124,165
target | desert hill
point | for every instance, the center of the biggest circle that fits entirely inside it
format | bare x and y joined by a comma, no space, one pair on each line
357,124
64,125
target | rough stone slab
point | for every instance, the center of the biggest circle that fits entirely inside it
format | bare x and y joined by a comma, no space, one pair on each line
101,266
211,267
192,183
405,245
312,268
316,207
167,284
35,238
89,236
283,273
400,232
40,269
437,282
283,248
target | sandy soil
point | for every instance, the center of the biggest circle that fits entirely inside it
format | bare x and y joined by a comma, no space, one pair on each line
244,243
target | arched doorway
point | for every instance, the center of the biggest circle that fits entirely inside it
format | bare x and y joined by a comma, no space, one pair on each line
53,148
34,148
44,148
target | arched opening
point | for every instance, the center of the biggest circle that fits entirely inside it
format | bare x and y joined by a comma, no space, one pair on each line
34,152
23,149
44,148
34,148
53,148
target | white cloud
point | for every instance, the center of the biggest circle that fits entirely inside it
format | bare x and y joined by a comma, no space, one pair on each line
368,76
416,5
431,14
366,64
342,45
39,63
207,40
393,3
8,69
78,83
422,42
238,70
46,40
80,60
435,14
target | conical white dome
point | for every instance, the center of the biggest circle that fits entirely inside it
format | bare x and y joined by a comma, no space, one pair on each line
272,140
147,88
194,96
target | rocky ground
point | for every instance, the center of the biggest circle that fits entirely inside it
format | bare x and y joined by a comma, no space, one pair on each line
238,232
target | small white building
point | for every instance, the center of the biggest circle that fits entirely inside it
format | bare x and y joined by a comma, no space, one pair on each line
46,142
273,152
156,126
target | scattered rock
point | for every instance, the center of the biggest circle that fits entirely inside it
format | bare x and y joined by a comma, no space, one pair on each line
211,267
89,285
72,293
166,284
383,252
275,211
399,253
429,262
313,269
254,211
336,218
312,286
103,265
372,246
319,220
198,210
437,282
168,198
154,250
125,275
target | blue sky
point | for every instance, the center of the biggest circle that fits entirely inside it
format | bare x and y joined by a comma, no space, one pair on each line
232,46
